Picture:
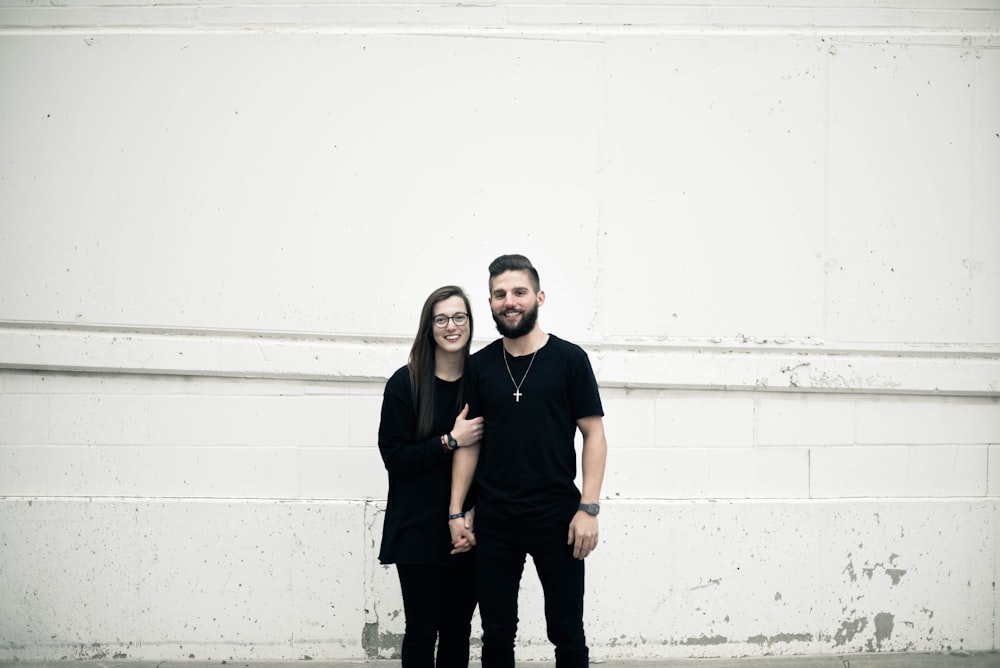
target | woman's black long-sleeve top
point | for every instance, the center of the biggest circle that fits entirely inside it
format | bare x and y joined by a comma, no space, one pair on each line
415,529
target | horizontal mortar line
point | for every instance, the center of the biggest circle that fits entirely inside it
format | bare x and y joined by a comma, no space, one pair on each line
506,29
798,348
748,386
193,372
203,446
609,501
805,389
171,331
775,345
289,500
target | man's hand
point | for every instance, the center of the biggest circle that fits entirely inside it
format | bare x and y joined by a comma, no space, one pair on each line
582,534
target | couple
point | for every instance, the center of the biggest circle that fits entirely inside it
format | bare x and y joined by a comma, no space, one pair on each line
509,453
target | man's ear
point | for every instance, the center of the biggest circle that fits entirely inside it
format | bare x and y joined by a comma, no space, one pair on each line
541,297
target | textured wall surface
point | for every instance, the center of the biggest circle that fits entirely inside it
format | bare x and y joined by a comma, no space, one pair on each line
775,228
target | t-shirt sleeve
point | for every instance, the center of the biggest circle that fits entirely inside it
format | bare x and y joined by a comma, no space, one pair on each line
585,396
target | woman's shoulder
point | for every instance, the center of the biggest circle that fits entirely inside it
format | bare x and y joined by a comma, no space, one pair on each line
399,380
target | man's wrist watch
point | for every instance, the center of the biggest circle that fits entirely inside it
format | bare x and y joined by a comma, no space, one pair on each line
452,443
591,508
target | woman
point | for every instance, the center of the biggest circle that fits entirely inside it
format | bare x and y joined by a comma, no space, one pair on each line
423,422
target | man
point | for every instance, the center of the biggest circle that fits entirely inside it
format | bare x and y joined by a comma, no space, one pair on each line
534,391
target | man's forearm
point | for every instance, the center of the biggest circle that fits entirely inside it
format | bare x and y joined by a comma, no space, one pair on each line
463,468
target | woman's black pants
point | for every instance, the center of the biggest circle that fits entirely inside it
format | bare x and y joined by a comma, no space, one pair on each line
438,603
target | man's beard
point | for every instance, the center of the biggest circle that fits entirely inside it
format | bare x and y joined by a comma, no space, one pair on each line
528,320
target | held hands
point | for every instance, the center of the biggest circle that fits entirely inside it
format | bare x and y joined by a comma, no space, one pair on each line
583,535
467,432
462,537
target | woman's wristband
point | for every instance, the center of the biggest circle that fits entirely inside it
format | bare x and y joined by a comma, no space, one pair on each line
456,516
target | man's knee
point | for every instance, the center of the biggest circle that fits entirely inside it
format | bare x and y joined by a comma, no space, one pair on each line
567,633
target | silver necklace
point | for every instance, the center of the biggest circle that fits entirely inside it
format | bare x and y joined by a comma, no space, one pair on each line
517,385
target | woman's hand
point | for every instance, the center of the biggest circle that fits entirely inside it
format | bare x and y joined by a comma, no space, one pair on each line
462,538
467,432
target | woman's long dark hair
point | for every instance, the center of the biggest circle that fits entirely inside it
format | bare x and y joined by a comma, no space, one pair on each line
421,362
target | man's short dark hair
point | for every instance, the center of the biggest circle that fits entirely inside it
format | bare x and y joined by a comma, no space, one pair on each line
514,263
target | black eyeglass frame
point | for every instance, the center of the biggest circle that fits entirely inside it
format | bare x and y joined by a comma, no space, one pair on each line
441,320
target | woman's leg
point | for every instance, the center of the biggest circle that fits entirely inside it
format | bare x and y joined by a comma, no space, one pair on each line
457,607
422,588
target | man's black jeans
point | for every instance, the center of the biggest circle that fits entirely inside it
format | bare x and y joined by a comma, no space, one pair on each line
500,552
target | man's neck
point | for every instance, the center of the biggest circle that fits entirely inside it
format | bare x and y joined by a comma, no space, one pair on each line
527,344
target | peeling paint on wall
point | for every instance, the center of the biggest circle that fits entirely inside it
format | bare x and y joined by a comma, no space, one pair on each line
706,640
848,630
894,573
780,637
849,569
379,645
96,652
883,630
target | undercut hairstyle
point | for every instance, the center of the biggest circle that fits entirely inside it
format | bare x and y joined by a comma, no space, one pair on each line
514,263
422,357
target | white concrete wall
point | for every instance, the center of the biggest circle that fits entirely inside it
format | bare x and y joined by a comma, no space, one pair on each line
775,228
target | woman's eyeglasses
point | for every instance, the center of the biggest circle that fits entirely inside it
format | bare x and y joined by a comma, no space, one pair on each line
459,319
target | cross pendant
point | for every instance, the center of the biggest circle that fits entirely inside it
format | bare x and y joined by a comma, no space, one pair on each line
517,396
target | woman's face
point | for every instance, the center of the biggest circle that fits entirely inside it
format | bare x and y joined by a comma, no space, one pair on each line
451,337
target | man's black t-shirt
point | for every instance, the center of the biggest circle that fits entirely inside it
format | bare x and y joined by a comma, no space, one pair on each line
527,463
